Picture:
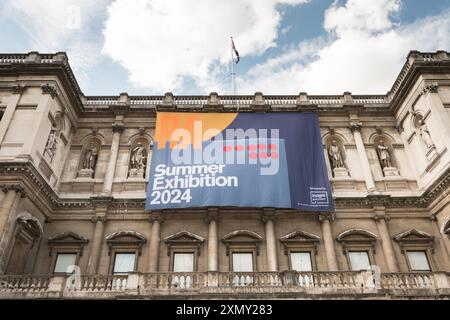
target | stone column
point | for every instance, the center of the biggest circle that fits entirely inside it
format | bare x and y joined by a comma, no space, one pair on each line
445,238
328,241
8,208
386,242
97,242
111,168
355,126
156,220
38,131
212,219
271,242
17,91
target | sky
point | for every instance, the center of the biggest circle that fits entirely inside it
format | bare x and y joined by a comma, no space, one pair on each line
149,47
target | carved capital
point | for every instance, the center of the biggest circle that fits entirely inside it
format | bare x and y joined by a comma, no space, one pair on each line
156,216
378,217
18,88
212,214
429,88
49,89
17,188
268,214
101,219
117,127
355,125
326,217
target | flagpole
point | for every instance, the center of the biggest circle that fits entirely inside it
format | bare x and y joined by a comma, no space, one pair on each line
233,84
233,87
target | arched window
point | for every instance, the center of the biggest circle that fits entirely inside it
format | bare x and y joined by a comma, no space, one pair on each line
242,247
418,248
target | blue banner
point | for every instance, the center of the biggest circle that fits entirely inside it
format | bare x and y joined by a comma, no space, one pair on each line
238,160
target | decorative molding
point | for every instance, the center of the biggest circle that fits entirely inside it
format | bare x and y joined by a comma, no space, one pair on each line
49,89
299,238
355,125
184,239
413,239
18,88
429,88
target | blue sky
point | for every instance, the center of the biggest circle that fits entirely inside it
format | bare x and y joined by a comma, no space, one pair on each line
286,46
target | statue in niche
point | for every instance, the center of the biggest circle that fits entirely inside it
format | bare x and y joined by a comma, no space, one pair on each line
138,157
425,134
335,155
50,147
383,154
90,158
138,161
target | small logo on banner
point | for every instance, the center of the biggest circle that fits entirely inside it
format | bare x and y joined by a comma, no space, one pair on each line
319,197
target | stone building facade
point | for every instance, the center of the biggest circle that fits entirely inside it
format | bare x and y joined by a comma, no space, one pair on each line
70,195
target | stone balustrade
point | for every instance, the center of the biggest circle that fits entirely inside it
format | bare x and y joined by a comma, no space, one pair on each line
216,284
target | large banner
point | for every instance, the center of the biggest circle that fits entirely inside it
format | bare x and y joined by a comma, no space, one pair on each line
238,159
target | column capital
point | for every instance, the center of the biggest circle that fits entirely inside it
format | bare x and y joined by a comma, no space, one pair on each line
378,217
103,219
268,214
355,125
117,127
18,88
212,214
156,216
49,89
16,187
330,216
429,88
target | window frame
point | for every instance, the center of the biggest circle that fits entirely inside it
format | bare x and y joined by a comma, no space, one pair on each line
369,257
416,240
181,251
124,242
426,257
122,251
358,240
311,258
243,250
64,251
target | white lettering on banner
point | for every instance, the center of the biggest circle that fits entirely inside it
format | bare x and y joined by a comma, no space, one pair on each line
168,181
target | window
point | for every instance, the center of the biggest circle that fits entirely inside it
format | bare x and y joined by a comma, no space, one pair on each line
418,261
183,262
124,250
242,262
301,261
417,247
359,260
124,263
63,261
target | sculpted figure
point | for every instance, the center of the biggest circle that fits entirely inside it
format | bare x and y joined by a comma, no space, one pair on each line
383,154
335,155
425,134
90,158
138,157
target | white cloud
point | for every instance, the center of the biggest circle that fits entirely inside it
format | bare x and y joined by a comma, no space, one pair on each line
363,52
162,43
59,25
